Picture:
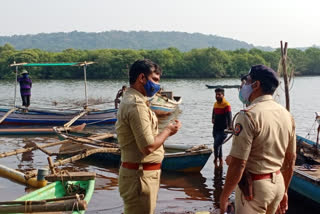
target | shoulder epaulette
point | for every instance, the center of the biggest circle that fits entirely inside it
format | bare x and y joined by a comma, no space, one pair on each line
248,108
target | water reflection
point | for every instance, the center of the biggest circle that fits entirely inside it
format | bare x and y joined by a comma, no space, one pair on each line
193,185
217,185
26,160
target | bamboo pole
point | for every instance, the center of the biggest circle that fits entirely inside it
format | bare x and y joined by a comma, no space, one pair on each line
285,74
81,196
92,141
85,83
72,159
15,87
53,171
19,151
67,205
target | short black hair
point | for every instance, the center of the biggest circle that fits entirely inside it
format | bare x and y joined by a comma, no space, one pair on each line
221,90
142,66
267,76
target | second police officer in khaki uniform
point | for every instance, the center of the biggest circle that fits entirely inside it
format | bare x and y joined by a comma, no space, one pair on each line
264,144
141,145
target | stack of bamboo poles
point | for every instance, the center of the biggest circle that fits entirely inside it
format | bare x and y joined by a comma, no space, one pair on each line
95,146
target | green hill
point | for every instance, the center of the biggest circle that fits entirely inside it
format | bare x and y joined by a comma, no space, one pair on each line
123,40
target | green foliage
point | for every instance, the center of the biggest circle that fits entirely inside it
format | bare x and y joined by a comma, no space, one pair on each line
197,63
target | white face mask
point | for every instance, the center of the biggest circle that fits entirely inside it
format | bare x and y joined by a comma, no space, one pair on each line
244,93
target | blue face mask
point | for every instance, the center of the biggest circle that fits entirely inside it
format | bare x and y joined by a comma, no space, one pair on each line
151,88
245,93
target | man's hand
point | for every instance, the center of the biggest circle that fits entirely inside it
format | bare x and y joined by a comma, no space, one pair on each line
174,127
283,206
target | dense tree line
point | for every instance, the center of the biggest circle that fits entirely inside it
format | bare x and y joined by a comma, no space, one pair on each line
197,63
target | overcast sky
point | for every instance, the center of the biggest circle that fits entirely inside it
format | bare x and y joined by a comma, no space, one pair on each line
254,21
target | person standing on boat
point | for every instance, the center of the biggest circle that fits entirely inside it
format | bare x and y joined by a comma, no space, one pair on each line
119,94
263,150
221,120
25,88
141,145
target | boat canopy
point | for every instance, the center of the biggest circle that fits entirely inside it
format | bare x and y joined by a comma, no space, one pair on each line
24,64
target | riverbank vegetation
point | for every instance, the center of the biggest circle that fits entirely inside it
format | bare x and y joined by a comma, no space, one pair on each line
197,63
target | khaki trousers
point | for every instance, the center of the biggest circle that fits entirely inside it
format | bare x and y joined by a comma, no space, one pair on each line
139,190
267,194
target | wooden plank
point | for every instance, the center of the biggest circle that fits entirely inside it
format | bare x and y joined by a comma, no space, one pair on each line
68,124
7,114
72,176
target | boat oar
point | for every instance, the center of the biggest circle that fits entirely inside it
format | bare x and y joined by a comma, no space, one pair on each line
7,114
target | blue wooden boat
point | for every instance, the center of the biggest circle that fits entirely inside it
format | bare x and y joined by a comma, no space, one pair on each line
177,157
56,117
306,181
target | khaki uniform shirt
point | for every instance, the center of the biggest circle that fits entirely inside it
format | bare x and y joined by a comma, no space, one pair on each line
264,132
136,128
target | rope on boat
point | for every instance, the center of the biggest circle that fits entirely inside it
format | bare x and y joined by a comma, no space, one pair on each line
309,132
233,120
76,203
197,148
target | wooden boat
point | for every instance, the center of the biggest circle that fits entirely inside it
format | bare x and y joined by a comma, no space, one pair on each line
164,103
54,198
177,157
56,117
223,86
306,177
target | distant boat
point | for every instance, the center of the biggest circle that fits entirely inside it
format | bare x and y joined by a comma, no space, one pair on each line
164,103
223,86
306,177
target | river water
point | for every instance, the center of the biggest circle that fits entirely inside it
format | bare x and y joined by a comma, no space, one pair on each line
179,193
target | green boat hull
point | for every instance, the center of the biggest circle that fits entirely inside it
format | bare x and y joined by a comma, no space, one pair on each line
56,190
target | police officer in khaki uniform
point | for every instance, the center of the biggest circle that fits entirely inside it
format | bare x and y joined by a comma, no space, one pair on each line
141,145
264,144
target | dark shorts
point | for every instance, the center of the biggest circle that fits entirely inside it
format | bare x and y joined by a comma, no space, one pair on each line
25,100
